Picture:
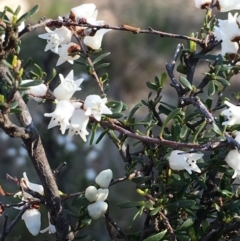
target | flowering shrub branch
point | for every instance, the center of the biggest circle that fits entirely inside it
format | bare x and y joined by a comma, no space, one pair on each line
183,193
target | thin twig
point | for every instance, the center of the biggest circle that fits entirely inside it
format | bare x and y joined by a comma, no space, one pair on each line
170,68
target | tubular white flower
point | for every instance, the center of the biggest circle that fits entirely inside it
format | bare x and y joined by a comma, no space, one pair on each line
51,228
233,160
78,126
61,115
91,194
97,209
95,41
179,160
104,178
95,106
232,114
102,194
228,5
68,52
228,31
36,90
67,87
202,3
32,219
55,38
84,11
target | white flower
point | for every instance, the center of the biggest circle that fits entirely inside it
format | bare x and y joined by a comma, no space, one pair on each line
95,41
97,209
67,87
91,194
61,115
228,31
68,52
37,92
104,178
202,3
55,38
51,228
95,106
233,160
228,5
87,12
78,125
179,160
102,194
232,114
32,219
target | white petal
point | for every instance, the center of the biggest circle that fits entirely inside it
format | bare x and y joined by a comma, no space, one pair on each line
34,187
32,219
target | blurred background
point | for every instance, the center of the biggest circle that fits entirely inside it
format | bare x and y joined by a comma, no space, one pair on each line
134,60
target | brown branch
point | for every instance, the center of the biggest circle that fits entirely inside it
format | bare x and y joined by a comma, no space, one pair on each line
124,27
168,227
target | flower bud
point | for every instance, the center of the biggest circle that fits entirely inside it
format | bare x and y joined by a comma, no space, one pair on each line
102,194
104,178
91,194
97,209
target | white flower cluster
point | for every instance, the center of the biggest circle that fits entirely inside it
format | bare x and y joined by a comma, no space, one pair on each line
227,30
32,216
69,114
59,40
98,207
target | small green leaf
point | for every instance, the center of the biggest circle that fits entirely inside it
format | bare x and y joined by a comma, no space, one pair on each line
101,136
223,81
185,82
155,211
171,116
8,9
133,111
28,63
27,15
163,79
32,83
130,204
211,88
140,180
152,86
182,69
216,129
17,10
156,237
185,225
103,65
7,64
100,58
